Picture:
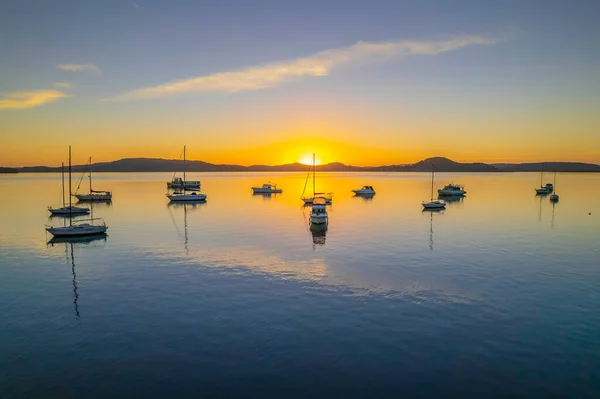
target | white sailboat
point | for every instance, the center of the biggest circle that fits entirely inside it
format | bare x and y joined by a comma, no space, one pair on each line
543,190
93,195
179,183
433,204
183,196
67,210
554,197
78,229
309,200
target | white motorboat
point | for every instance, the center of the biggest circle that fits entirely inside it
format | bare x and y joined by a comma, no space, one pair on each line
452,190
70,209
318,214
309,200
187,196
178,182
79,229
267,188
365,190
554,197
433,204
93,195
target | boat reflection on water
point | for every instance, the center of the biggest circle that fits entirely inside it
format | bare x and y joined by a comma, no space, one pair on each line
70,243
432,212
265,196
364,197
453,199
319,233
187,205
96,203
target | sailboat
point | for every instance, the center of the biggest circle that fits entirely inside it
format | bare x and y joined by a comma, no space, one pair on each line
433,204
67,210
79,229
94,195
554,197
543,190
178,182
183,196
309,200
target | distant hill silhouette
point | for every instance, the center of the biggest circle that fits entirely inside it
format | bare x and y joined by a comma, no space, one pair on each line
441,165
8,170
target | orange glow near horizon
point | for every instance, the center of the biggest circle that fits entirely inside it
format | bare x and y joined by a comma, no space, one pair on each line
308,160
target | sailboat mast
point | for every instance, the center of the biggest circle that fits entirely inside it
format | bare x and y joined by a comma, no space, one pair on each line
184,167
70,207
542,176
432,172
62,170
314,175
90,175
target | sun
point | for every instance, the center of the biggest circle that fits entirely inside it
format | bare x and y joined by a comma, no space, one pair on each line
308,160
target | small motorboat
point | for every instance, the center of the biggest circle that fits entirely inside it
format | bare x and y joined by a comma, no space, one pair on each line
187,197
542,191
318,214
365,190
549,187
267,188
452,190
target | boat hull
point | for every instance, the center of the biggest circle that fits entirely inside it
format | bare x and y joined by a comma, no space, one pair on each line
187,197
66,211
554,197
434,205
259,190
94,197
451,193
77,230
363,192
318,219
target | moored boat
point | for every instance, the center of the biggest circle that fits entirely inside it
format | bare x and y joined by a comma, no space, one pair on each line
452,190
365,190
318,214
67,210
309,200
267,188
433,204
93,195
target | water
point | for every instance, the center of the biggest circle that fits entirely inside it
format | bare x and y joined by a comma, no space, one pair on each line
496,296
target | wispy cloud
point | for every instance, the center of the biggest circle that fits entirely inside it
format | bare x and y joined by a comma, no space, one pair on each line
79,67
30,99
319,64
63,85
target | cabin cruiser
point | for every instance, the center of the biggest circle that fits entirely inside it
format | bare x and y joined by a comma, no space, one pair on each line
452,189
267,188
318,214
365,190
178,182
434,204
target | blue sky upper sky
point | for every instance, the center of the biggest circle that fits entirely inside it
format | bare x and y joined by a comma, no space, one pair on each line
471,80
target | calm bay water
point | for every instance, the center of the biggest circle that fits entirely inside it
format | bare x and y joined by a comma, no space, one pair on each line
498,295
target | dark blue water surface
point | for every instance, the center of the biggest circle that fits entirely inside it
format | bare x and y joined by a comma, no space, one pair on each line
497,296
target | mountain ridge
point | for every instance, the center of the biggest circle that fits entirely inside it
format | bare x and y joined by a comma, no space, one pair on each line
441,164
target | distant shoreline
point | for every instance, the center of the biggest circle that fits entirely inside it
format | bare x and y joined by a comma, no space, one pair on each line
438,164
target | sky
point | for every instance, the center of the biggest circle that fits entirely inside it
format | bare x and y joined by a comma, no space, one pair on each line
270,82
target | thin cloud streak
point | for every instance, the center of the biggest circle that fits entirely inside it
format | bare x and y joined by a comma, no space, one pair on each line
79,67
319,64
62,85
30,99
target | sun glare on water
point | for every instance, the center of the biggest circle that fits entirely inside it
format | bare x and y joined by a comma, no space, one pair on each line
308,160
